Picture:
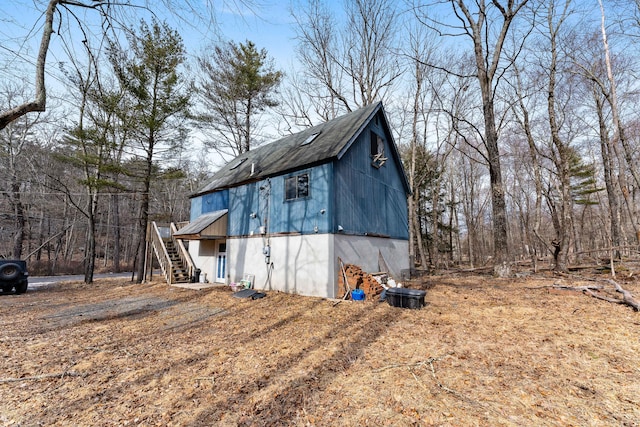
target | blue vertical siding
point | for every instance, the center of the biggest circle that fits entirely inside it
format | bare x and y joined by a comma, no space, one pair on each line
196,208
210,202
368,199
303,215
348,192
263,204
243,204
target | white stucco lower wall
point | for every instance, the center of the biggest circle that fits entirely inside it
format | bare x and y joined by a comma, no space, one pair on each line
363,252
305,265
308,265
203,253
298,264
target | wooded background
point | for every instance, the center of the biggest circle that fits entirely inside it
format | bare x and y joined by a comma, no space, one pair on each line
517,122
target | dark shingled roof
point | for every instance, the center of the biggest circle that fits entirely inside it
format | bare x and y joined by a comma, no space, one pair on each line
332,141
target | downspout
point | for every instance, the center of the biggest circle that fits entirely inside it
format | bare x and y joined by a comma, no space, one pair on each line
266,250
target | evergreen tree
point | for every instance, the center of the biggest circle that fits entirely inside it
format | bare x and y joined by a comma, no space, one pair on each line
237,84
583,180
148,71
91,146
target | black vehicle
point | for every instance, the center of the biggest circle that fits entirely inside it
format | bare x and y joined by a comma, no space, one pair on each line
13,274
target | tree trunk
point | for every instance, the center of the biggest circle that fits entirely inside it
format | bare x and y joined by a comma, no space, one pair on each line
142,224
414,232
90,252
412,236
419,242
116,233
532,231
247,127
561,160
40,100
144,211
40,234
498,203
487,64
435,221
452,207
609,179
19,217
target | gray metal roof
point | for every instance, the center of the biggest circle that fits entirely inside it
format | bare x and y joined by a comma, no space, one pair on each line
199,224
289,153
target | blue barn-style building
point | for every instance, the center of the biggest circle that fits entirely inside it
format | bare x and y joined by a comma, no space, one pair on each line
286,212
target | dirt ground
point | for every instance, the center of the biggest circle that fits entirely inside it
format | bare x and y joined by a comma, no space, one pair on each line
482,352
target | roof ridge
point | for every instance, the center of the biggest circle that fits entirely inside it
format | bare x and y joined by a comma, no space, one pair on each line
288,152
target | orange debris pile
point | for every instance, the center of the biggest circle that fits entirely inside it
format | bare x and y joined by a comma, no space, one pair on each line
359,279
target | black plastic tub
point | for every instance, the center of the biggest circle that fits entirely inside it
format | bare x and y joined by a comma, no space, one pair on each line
405,297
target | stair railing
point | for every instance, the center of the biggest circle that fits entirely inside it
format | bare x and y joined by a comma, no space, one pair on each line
183,253
162,255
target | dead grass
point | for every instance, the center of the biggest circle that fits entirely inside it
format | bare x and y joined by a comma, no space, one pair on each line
482,352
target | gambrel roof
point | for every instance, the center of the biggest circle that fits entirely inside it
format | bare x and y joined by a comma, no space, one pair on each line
312,146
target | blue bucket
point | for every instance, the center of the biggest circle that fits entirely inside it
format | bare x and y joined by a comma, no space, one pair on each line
357,295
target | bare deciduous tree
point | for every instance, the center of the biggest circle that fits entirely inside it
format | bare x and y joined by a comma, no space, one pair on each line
486,25
612,97
110,12
522,113
14,141
562,151
586,55
350,66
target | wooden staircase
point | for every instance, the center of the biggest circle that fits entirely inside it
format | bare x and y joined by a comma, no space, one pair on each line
174,259
179,270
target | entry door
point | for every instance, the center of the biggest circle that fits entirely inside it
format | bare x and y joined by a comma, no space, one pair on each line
221,263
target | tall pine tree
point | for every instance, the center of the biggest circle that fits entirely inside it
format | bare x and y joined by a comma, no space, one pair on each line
237,84
158,95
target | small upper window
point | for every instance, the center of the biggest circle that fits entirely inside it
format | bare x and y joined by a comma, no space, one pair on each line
377,144
296,187
377,150
310,139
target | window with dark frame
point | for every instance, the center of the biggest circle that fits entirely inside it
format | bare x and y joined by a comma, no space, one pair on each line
377,145
377,150
296,187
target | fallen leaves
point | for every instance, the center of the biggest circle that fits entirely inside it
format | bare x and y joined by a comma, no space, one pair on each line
498,352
